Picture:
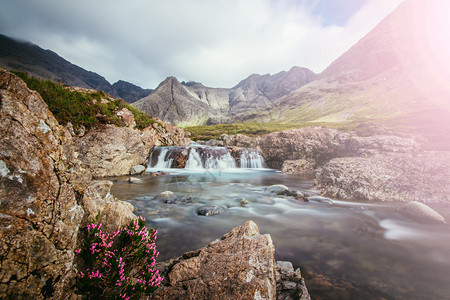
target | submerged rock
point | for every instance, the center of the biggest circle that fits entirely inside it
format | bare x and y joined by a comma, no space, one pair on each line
278,189
418,209
244,202
290,284
210,210
283,190
320,199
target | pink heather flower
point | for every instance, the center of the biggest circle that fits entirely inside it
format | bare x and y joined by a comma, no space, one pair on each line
77,251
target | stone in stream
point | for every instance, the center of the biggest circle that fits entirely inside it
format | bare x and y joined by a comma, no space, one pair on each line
210,210
278,189
137,170
281,189
418,209
166,195
320,199
244,202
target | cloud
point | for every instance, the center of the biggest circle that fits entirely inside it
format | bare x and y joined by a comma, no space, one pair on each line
215,42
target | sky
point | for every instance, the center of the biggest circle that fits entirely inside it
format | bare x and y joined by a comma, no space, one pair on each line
217,43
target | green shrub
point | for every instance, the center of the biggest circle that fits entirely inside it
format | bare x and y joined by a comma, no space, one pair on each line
82,109
121,265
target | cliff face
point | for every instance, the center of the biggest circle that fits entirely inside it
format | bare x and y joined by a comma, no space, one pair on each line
45,197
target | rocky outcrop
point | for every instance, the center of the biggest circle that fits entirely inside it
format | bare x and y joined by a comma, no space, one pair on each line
303,150
109,150
240,265
403,177
45,195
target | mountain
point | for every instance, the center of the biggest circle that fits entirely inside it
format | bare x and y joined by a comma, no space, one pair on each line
261,91
175,103
27,57
396,76
30,58
222,105
130,92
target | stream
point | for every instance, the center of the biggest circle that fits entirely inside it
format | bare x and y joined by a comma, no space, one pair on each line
346,250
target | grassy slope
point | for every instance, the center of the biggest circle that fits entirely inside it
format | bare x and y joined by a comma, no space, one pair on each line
82,109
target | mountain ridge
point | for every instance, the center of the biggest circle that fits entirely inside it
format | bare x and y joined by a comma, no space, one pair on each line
24,56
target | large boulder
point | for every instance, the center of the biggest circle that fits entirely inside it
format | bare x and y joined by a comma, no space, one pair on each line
240,265
109,150
422,177
316,143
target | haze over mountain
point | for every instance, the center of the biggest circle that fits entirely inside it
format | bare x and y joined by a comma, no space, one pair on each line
30,58
396,76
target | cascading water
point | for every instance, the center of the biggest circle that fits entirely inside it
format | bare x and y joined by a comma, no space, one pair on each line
158,158
197,157
252,159
209,158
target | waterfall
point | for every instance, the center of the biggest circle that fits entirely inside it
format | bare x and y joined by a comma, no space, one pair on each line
198,157
252,159
209,158
158,159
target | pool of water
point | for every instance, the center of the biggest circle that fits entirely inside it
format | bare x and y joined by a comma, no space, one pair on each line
346,250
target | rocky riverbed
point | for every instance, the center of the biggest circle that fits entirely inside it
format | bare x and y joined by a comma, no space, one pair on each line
47,194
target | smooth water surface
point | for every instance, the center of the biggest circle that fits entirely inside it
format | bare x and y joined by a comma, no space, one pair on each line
346,250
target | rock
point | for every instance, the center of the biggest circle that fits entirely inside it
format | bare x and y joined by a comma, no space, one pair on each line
240,265
278,189
418,209
298,166
98,200
314,144
210,210
108,150
399,177
127,117
305,149
244,202
39,212
320,199
290,284
166,195
134,180
137,170
45,197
